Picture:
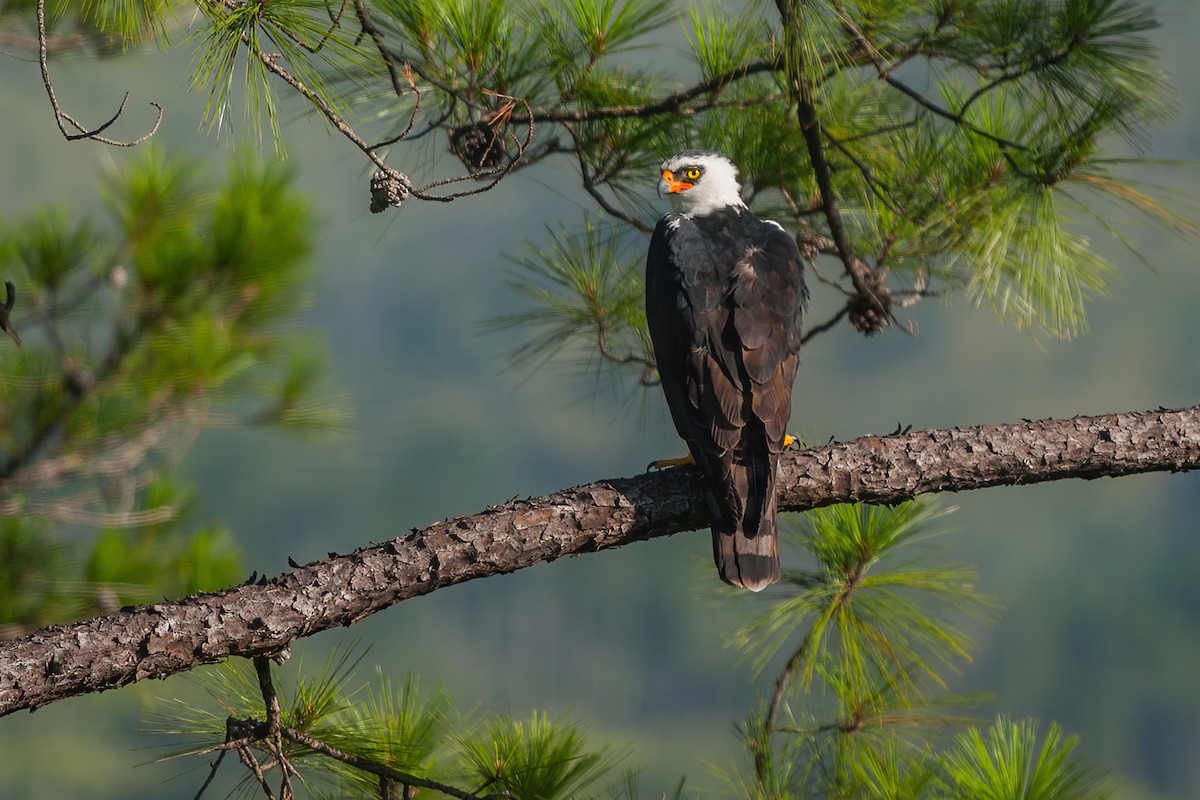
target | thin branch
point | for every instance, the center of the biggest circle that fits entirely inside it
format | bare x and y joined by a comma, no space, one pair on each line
648,365
882,131
335,119
264,618
382,770
957,119
262,668
502,116
797,657
389,172
60,116
885,74
368,27
869,286
783,681
817,330
286,770
251,761
422,192
881,189
589,185
335,21
669,104
212,774
1036,65
272,730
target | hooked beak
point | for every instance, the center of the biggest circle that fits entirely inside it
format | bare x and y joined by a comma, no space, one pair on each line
673,186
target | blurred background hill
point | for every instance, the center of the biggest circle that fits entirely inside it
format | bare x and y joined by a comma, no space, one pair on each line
1101,630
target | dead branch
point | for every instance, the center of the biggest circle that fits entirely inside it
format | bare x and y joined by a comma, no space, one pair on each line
61,117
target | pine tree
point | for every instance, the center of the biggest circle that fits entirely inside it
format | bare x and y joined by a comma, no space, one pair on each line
916,148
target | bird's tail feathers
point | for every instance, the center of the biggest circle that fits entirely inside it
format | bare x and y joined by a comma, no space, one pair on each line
745,545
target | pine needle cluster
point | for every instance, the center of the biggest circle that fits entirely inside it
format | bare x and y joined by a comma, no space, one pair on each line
339,739
955,148
869,638
138,330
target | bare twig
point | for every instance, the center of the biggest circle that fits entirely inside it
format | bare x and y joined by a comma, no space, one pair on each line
335,119
335,23
240,734
61,116
817,330
885,74
501,116
957,119
648,365
815,268
272,731
423,192
251,761
668,104
882,131
368,27
881,189
810,127
1013,75
589,184
212,773
382,770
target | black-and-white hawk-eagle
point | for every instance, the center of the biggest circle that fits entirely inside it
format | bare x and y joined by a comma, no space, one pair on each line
724,298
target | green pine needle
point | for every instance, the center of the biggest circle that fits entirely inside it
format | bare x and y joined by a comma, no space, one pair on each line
722,42
585,292
538,759
864,613
129,21
608,27
1004,762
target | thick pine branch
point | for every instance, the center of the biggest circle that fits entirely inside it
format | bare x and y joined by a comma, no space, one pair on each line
265,617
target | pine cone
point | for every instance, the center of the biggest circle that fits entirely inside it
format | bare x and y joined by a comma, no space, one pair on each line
870,315
479,146
387,191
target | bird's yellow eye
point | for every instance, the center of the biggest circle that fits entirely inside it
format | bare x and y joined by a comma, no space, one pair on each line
692,173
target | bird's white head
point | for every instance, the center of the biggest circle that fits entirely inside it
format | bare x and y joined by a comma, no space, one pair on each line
699,182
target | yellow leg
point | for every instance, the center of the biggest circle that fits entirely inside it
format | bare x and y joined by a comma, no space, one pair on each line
664,463
789,440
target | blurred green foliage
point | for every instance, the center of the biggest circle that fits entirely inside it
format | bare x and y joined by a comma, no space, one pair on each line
170,316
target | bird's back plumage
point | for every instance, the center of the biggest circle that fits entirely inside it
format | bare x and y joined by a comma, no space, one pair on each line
724,297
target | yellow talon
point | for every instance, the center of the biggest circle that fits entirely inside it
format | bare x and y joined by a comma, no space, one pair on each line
663,463
789,440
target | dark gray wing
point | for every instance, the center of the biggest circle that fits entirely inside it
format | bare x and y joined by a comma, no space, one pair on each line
724,306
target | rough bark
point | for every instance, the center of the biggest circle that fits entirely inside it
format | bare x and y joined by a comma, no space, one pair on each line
264,617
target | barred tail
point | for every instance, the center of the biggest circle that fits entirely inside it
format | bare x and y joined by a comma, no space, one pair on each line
745,545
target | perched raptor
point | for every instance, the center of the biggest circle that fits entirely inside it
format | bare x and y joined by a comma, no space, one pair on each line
724,296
